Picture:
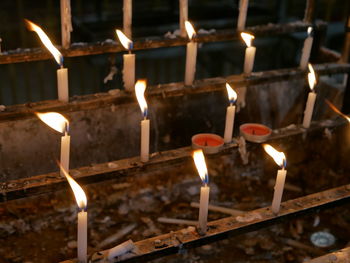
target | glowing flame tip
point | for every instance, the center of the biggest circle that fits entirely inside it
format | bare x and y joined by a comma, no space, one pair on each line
124,40
54,120
140,88
190,29
232,95
247,38
311,77
201,166
278,157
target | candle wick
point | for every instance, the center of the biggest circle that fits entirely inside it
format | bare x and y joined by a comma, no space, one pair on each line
205,143
253,132
129,51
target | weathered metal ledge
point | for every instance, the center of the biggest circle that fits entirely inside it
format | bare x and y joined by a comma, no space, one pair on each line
176,241
340,256
110,46
52,182
98,100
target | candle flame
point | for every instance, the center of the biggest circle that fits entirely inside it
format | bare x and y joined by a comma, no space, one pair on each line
311,77
232,95
309,31
140,88
79,193
190,29
126,42
247,38
331,105
54,120
201,166
279,157
46,41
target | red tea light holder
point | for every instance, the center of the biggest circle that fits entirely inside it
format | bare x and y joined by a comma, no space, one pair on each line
255,132
210,143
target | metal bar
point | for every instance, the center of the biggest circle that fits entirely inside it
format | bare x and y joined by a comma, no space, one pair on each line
99,100
84,49
340,256
176,241
51,182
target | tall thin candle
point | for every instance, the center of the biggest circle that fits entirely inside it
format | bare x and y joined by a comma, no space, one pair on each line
249,53
243,8
129,62
81,200
191,55
280,160
140,88
305,53
62,73
310,99
66,23
127,17
201,166
183,5
59,123
230,114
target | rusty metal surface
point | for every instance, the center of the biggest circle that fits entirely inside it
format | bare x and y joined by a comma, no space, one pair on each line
40,184
84,49
176,241
99,100
340,256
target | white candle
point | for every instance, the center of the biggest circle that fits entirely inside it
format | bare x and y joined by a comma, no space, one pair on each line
62,84
82,236
243,7
66,23
279,186
305,54
199,161
81,200
127,17
121,249
309,109
249,53
145,128
191,55
203,208
311,98
230,114
129,71
65,149
280,160
62,73
129,62
183,5
140,88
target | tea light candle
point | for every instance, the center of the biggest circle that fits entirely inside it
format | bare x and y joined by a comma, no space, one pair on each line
255,132
129,62
59,123
243,7
183,4
140,88
127,17
230,114
62,73
305,54
208,142
191,55
81,200
311,98
249,53
280,160
201,166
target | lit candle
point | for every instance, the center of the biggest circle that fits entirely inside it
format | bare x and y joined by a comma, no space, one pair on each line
59,123
81,200
127,17
281,161
243,7
191,55
183,4
230,114
201,166
66,23
140,88
129,62
310,99
305,53
249,53
62,73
